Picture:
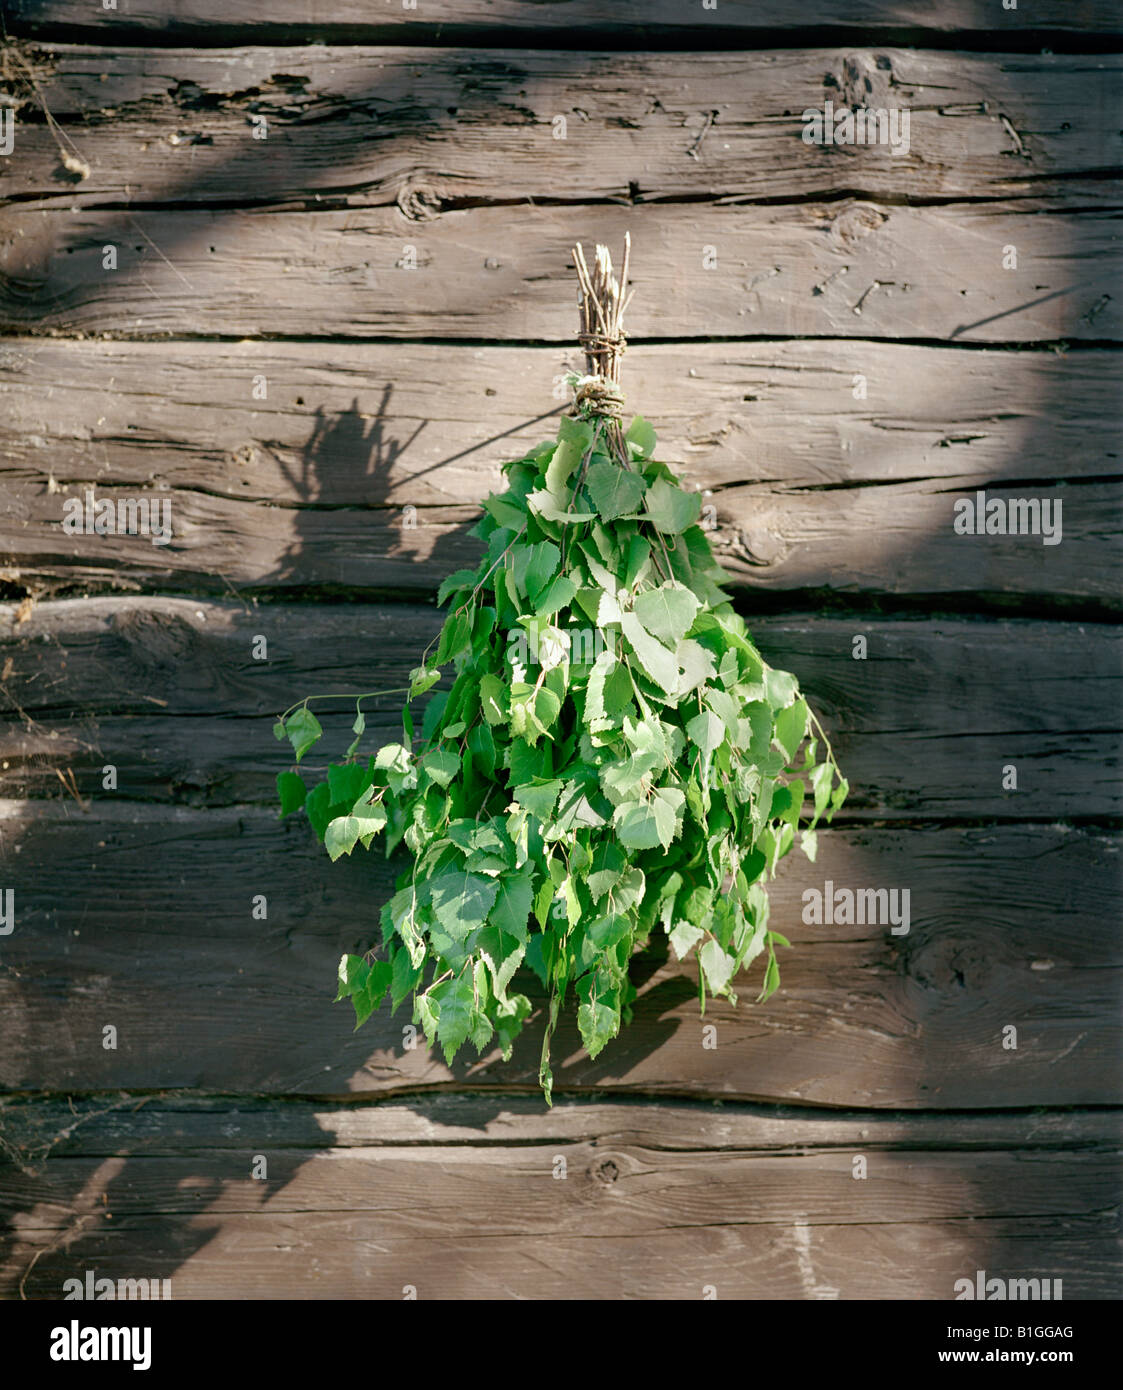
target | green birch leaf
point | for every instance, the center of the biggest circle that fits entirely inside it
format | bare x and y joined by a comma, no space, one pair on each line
707,731
658,664
551,508
421,679
666,806
791,725
606,931
425,1014
780,688
372,817
595,690
317,807
771,980
511,910
628,892
462,579
594,563
694,666
639,561
509,1016
341,835
539,797
291,791
453,1001
534,566
393,760
598,1015
404,979
821,779
559,470
455,636
303,729
370,997
608,611
558,594
440,766
717,965
667,612
684,938
614,491
461,901
670,509
606,870
642,436
505,512
347,781
636,825
493,699
353,972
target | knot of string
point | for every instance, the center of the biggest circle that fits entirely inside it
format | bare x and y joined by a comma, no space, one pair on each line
599,395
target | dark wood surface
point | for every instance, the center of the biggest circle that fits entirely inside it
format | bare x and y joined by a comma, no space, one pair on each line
828,466
385,126
168,691
428,133
807,269
657,1201
146,922
550,21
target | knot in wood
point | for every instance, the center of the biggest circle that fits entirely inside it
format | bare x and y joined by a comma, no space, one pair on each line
607,1171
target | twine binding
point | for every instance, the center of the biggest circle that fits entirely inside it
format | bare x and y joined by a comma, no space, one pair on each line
602,306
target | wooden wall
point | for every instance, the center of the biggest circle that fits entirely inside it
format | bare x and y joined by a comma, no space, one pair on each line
835,344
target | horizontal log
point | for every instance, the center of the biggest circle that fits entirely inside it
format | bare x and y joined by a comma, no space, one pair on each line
428,128
36,1130
141,917
650,1202
830,465
926,725
372,424
202,20
303,1256
701,270
876,540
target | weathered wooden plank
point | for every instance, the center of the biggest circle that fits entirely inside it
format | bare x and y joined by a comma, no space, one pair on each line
426,128
812,488
343,20
919,1187
663,1189
702,270
415,424
36,1129
167,690
141,917
893,539
304,1256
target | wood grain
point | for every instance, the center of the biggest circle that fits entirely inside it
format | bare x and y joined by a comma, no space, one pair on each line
427,129
168,692
881,541
810,484
688,1168
145,922
460,1197
209,21
837,269
369,424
